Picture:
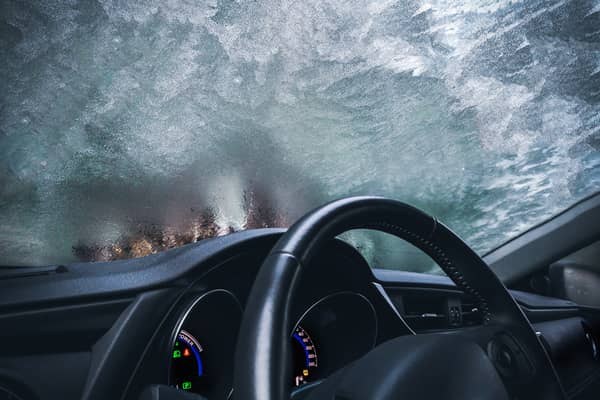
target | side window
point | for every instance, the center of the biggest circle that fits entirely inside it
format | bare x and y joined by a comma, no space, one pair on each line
385,251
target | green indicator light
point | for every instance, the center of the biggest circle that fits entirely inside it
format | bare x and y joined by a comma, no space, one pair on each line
186,385
176,353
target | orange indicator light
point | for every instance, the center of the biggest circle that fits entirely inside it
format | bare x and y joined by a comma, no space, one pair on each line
186,353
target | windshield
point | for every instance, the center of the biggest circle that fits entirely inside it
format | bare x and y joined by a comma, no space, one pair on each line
127,128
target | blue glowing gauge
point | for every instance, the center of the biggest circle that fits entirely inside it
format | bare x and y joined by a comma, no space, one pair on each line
187,368
304,355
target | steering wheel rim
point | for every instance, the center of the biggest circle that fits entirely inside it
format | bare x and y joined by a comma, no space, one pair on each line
262,353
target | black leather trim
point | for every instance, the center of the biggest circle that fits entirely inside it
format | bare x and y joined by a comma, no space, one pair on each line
443,261
267,350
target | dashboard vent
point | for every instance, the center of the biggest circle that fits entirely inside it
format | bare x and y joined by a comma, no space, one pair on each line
426,310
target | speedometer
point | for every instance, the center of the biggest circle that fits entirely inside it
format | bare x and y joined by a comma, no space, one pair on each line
304,355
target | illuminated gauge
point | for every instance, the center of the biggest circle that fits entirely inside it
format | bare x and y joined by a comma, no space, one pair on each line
187,369
304,356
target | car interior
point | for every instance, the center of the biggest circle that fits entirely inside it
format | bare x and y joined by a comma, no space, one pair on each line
300,314
299,200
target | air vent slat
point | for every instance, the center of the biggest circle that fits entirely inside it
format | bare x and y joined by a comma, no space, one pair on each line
434,310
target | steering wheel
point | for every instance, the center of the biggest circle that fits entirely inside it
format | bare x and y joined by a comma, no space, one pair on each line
502,359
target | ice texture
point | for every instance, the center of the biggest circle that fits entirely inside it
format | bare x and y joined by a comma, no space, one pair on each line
188,118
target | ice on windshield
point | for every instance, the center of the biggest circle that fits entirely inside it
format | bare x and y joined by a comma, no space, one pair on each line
129,127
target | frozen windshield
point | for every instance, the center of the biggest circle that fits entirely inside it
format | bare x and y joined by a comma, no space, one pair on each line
130,127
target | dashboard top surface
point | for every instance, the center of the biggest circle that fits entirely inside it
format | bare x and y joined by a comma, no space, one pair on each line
77,282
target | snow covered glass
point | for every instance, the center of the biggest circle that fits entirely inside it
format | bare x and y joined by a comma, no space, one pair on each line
131,127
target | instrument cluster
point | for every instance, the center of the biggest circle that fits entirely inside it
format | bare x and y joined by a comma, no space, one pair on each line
330,334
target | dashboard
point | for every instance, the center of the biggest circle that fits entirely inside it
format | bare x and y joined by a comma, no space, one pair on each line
173,320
